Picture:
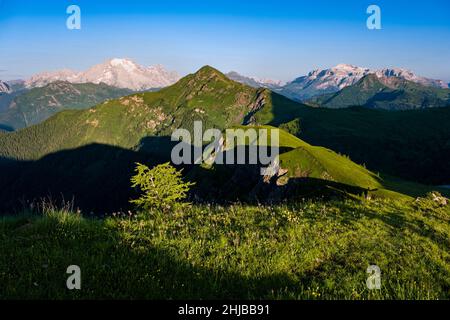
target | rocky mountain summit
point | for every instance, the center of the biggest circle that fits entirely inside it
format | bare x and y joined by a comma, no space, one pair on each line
120,73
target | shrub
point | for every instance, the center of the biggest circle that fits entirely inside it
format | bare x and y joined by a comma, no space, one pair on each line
293,127
162,187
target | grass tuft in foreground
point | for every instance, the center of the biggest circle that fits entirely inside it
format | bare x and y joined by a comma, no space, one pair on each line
310,250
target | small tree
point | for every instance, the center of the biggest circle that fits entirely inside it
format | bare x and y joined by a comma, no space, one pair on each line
162,187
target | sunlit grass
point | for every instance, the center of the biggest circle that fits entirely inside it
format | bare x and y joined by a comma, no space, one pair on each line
309,250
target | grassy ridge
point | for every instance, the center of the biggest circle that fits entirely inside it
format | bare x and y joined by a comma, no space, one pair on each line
310,250
302,160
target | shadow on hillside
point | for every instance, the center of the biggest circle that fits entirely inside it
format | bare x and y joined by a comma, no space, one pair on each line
96,177
122,263
6,127
308,188
243,183
383,97
413,145
128,267
284,109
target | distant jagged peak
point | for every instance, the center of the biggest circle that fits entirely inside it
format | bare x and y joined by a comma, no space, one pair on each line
410,76
255,81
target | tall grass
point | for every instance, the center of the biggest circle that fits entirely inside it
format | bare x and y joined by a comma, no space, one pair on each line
308,250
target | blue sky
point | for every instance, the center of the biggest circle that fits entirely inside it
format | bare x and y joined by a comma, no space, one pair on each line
264,38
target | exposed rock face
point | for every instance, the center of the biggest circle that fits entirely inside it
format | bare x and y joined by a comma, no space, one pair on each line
436,198
410,76
4,87
120,73
255,107
319,82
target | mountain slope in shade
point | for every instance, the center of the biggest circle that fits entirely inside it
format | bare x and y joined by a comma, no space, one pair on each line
32,106
319,82
389,93
255,82
121,73
16,85
6,96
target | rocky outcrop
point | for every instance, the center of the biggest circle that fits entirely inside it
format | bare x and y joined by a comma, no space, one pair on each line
4,87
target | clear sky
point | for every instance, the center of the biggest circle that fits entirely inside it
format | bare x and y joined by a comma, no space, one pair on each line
263,38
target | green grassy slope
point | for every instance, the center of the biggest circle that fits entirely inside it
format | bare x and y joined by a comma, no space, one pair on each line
306,171
311,250
304,160
30,107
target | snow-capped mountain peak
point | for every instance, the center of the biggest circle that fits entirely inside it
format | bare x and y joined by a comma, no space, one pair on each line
348,68
126,63
324,81
121,73
410,76
44,78
336,78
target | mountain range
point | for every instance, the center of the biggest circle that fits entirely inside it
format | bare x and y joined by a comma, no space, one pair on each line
125,73
319,82
385,92
76,151
24,103
120,73
345,85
